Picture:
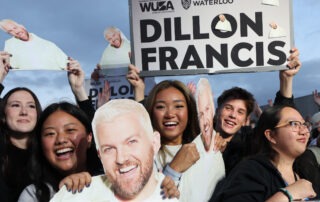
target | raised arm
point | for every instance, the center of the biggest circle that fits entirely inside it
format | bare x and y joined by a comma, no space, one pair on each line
286,76
137,82
285,95
76,80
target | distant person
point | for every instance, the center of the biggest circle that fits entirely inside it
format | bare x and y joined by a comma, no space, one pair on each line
315,121
117,52
30,51
126,154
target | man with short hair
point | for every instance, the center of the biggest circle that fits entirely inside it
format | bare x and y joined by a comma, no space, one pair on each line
234,108
126,145
30,51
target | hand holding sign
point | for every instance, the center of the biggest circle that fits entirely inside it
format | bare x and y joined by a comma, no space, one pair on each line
76,79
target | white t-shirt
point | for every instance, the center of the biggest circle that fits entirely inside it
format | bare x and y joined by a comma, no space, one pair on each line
199,181
99,191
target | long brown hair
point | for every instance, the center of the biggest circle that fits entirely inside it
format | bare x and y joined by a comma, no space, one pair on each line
5,142
192,129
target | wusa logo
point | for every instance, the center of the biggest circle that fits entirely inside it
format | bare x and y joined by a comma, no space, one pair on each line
186,4
156,6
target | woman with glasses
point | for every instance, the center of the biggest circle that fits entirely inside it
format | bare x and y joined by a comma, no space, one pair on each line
281,135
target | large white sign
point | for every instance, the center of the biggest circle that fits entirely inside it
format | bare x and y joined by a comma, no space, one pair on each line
173,37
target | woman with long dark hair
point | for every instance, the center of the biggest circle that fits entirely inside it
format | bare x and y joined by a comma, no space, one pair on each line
19,112
62,147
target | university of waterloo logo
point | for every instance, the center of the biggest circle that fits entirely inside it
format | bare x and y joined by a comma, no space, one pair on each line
186,4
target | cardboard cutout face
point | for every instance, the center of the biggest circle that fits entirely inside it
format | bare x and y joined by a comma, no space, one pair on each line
205,107
117,53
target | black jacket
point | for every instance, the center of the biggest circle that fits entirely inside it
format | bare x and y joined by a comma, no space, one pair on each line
254,179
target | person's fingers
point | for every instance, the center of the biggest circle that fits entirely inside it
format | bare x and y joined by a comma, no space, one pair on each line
67,182
169,189
172,193
134,68
216,142
197,155
133,76
165,181
82,184
88,179
224,146
294,53
294,64
75,185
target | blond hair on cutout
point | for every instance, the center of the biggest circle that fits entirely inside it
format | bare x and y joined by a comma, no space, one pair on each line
110,30
3,22
120,107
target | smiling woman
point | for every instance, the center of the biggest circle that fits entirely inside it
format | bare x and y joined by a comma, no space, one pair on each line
19,113
62,147
182,155
280,137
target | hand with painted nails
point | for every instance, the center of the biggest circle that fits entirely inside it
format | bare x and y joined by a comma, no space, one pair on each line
169,189
286,76
293,65
76,182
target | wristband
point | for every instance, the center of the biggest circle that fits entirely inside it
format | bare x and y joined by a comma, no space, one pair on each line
175,176
287,193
